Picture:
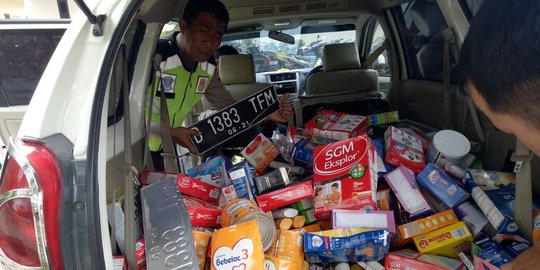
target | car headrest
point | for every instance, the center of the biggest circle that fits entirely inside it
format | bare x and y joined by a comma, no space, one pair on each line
340,57
236,69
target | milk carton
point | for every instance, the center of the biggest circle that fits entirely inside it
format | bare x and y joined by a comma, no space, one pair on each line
345,176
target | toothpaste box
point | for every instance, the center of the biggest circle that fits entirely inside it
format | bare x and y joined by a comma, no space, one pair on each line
242,181
260,152
364,219
360,247
427,224
403,184
285,196
442,186
186,185
448,241
202,213
407,259
335,126
213,172
345,176
403,149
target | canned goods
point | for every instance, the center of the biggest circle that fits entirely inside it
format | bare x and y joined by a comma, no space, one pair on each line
448,146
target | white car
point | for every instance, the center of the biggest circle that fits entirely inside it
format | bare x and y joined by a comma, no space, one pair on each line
69,157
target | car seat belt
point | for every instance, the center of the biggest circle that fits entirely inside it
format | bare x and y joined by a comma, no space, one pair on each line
147,162
449,40
523,209
375,54
169,156
130,174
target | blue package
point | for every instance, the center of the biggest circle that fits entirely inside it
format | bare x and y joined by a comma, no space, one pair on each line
213,171
379,146
492,253
361,247
303,151
242,180
442,186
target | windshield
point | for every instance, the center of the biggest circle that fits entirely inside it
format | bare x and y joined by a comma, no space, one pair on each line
306,52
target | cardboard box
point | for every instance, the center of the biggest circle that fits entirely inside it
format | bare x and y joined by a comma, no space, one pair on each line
345,176
335,126
213,172
428,224
120,263
402,182
408,259
260,152
285,196
364,219
242,181
202,213
187,185
448,241
403,149
442,186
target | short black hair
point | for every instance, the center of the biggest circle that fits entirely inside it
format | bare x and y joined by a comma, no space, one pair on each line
500,57
215,7
225,50
336,185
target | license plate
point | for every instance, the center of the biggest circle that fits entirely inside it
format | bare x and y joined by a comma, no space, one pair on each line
235,119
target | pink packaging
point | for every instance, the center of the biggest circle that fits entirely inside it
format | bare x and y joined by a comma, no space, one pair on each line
403,149
335,125
345,176
364,219
285,196
403,184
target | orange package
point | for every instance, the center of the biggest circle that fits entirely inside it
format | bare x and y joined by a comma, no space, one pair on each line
237,247
201,239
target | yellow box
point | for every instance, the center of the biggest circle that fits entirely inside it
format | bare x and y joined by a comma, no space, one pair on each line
428,224
448,241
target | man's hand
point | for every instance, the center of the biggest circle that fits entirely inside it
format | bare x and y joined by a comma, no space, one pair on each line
529,259
285,112
180,135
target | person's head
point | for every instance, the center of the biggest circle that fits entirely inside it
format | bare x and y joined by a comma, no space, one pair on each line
202,26
335,187
498,64
318,191
225,50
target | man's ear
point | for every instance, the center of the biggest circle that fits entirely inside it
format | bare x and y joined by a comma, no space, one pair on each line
182,24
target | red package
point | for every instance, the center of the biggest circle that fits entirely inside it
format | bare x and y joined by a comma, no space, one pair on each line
345,176
335,125
285,196
140,254
404,149
187,185
120,263
202,213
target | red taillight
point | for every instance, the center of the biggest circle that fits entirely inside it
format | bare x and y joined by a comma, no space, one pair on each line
30,207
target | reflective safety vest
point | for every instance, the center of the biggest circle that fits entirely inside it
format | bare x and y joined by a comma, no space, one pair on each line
183,90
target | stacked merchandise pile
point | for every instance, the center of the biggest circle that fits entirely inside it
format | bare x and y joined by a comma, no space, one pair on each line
339,194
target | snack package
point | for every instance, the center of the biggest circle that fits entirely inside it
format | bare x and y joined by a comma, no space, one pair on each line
448,241
202,213
213,172
260,152
289,245
403,149
202,241
237,247
285,196
345,176
361,247
329,126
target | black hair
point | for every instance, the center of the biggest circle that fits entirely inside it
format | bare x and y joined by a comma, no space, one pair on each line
215,7
336,185
225,50
500,57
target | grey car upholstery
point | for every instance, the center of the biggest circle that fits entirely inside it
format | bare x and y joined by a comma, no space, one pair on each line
342,72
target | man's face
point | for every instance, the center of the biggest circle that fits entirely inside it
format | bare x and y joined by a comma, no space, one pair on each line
202,37
508,123
334,189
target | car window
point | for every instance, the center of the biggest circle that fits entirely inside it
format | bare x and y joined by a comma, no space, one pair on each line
306,52
24,54
421,24
381,65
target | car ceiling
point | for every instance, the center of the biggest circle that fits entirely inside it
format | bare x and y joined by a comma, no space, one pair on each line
269,14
